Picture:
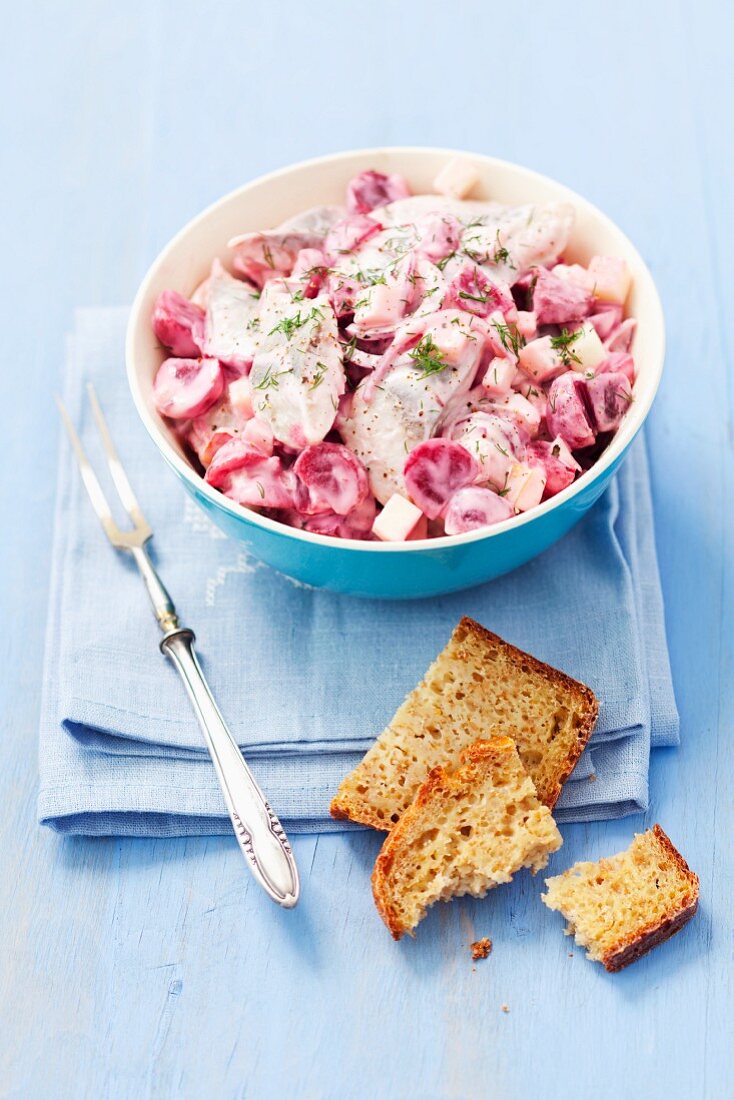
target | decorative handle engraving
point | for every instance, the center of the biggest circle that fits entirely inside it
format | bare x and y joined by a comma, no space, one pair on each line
259,832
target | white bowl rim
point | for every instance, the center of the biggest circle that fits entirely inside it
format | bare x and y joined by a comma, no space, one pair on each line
633,421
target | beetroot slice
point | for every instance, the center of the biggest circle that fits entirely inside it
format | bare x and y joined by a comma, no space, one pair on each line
610,396
185,388
371,189
606,320
217,440
350,233
472,508
329,479
232,455
567,414
473,291
557,301
434,471
178,324
558,474
439,235
246,475
619,362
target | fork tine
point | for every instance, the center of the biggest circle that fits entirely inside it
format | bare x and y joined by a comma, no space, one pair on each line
91,483
123,486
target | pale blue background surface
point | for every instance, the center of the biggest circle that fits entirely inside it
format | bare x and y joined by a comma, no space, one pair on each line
155,968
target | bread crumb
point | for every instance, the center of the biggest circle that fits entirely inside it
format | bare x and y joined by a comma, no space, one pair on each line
481,948
592,777
505,1008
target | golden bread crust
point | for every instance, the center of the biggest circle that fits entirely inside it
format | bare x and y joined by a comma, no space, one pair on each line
479,766
622,906
478,652
635,945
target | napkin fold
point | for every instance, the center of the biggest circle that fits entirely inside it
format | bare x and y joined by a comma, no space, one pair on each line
306,678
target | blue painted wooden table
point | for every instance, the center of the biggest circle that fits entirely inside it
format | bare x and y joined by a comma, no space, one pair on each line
156,968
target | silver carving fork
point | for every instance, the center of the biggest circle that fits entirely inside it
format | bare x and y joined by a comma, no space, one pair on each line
259,833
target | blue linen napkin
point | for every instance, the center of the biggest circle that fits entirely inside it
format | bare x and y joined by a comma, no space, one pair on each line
306,678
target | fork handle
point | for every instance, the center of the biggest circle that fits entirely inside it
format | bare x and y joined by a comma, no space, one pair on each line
259,833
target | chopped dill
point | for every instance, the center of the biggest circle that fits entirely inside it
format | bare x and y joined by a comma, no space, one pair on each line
510,338
427,357
372,278
289,325
500,255
481,298
270,379
318,376
442,263
563,344
349,350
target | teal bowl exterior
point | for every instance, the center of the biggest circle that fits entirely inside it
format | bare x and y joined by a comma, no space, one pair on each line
411,570
431,568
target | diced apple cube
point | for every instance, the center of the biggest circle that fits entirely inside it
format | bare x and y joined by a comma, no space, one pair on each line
532,393
453,342
380,308
611,278
240,396
397,520
527,324
576,274
619,361
500,335
520,410
499,376
622,337
420,531
562,453
456,178
525,486
586,350
541,360
606,321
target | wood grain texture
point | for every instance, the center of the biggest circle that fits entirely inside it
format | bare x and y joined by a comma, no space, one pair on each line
138,969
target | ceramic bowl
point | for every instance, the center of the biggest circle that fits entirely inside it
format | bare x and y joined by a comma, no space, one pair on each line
374,569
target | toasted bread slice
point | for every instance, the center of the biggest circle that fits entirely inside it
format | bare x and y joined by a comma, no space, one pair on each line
465,832
477,687
622,907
